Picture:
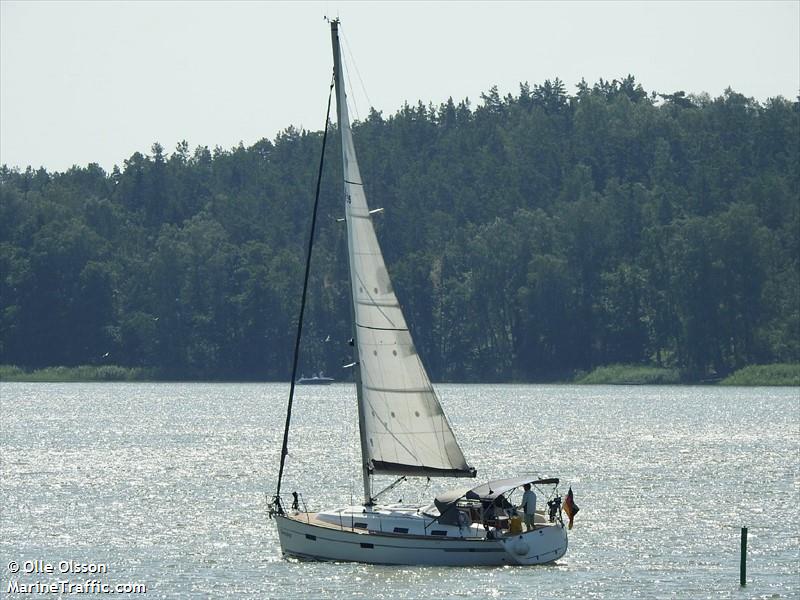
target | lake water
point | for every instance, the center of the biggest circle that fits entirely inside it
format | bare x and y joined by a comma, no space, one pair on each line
166,485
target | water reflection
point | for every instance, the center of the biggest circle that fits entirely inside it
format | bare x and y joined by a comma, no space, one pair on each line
167,483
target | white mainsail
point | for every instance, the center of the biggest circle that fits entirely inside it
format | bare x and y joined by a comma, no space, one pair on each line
403,427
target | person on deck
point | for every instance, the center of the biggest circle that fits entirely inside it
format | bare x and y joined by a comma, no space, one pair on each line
528,506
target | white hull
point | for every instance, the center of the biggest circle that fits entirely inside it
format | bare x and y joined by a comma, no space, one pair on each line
305,537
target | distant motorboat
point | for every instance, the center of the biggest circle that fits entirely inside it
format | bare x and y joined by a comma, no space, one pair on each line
315,380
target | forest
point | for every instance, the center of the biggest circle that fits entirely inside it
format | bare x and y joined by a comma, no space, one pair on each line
530,237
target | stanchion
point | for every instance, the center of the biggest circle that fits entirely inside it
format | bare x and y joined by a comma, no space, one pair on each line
743,559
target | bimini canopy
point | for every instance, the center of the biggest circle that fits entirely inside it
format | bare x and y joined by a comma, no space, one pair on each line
492,489
488,491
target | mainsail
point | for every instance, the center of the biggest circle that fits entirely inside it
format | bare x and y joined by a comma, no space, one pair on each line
403,427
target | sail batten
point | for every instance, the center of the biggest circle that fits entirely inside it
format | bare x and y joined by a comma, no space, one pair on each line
385,304
382,328
403,427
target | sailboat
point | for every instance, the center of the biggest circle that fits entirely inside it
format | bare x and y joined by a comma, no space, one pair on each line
404,433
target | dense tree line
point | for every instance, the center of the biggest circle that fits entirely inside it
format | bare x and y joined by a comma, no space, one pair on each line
529,237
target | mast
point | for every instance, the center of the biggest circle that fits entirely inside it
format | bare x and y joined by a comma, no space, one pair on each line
343,119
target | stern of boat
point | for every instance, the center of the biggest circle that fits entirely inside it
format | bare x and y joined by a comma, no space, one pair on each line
544,544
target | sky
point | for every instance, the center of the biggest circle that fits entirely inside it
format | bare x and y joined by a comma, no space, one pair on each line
94,82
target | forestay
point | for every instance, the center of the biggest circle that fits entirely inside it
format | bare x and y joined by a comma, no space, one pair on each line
404,430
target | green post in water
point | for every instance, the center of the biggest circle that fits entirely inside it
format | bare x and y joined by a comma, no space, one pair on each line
743,560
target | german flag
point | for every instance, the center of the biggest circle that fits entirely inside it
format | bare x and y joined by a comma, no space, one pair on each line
570,507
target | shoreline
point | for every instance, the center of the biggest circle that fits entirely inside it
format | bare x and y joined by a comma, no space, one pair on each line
774,375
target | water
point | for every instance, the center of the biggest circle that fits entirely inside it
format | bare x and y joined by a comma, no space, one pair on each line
165,484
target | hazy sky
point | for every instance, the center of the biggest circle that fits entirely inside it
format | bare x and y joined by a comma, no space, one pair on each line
85,82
